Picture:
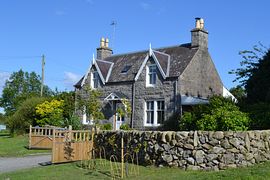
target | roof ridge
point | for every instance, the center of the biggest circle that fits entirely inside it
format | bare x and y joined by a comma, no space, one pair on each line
145,50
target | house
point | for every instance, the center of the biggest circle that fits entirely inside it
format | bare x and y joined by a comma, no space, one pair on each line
157,82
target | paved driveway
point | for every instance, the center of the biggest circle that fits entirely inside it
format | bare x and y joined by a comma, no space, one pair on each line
16,163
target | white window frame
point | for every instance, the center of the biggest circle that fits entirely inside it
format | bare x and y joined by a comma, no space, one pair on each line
148,74
93,80
155,123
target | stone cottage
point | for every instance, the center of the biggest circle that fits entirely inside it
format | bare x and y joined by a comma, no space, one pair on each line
157,82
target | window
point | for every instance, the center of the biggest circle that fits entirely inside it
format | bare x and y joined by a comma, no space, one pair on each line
160,112
95,80
125,69
151,75
154,115
150,112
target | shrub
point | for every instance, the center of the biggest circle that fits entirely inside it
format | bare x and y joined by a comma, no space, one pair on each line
74,121
107,126
24,116
50,113
219,114
125,127
260,115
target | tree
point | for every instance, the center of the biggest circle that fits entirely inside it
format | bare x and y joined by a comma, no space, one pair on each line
24,116
69,103
258,84
50,113
90,103
220,114
18,87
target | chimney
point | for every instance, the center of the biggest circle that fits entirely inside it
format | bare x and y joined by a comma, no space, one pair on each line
199,36
104,51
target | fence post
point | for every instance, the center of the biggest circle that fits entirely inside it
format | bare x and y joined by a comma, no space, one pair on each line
53,146
122,155
30,136
92,143
69,133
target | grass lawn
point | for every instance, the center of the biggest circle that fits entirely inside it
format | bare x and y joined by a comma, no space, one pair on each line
72,171
15,146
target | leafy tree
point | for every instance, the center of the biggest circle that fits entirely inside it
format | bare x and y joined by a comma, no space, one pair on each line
90,103
50,113
258,84
69,103
220,114
20,86
24,116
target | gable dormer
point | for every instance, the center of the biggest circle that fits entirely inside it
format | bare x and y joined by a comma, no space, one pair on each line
160,62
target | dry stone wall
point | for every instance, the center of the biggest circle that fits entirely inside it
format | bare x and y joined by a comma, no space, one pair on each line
196,150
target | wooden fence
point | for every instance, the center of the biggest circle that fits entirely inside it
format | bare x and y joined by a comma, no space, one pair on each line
42,137
77,145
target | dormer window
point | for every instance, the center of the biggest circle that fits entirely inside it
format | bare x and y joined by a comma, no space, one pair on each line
151,75
95,80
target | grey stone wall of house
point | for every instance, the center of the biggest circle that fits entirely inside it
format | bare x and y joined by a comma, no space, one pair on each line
196,150
106,90
200,78
163,90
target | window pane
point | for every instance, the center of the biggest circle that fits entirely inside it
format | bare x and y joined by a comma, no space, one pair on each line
152,74
150,112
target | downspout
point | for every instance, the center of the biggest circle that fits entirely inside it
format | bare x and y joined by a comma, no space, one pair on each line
133,103
175,95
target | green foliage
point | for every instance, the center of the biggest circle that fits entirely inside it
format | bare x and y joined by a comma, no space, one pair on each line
74,121
24,116
219,114
260,115
50,113
69,103
20,86
91,104
258,84
107,126
125,127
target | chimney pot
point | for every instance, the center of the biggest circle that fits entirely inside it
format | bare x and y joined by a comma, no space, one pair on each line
197,23
107,42
102,42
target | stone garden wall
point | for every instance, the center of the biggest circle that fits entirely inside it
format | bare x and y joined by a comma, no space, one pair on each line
195,150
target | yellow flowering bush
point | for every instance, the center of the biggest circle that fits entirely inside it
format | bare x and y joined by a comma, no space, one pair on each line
50,113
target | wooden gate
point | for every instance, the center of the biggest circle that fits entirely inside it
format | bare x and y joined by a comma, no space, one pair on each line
76,145
42,137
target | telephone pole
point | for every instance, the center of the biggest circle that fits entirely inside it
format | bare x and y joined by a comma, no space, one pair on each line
42,76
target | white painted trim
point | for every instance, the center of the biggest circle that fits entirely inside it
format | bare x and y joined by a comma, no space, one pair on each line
88,71
227,94
159,66
168,64
109,73
141,68
99,72
147,79
155,124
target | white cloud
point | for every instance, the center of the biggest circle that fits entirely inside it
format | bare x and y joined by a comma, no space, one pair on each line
3,77
145,5
71,79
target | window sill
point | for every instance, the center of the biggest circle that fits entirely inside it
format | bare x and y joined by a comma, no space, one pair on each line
152,125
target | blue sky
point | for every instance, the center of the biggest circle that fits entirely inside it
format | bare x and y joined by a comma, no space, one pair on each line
68,32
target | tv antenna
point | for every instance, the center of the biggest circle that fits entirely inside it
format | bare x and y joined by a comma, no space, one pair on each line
114,23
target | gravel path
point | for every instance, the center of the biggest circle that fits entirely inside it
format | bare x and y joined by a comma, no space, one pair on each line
16,163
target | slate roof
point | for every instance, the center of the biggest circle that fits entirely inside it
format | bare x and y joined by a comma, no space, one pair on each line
176,58
104,67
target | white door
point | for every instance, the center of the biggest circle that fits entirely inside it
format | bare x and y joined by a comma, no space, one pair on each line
119,121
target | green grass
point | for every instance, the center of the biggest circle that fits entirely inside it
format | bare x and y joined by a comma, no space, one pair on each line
72,171
15,146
